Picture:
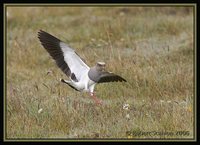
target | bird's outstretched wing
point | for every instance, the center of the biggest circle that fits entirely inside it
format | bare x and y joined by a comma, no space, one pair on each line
66,58
110,77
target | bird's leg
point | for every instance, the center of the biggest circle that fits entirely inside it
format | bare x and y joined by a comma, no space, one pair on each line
97,101
92,94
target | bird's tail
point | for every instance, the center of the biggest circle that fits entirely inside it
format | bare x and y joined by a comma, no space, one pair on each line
69,84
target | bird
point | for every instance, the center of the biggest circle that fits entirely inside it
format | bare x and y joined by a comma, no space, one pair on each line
81,76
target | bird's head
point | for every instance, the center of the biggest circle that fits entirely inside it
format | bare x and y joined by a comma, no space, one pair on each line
100,66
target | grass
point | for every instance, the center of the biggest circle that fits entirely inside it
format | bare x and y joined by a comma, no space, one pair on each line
151,47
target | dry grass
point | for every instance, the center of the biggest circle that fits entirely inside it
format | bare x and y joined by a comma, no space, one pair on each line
152,47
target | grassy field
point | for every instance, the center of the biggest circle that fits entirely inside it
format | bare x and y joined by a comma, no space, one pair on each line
151,47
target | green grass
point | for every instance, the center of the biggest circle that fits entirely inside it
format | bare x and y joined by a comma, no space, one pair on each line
151,47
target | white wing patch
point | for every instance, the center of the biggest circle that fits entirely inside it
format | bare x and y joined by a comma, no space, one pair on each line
75,63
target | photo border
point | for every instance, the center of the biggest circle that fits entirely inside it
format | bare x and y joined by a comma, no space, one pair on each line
5,138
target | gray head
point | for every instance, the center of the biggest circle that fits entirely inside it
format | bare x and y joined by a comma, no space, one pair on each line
95,72
100,66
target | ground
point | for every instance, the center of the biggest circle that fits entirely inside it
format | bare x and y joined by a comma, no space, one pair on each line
151,47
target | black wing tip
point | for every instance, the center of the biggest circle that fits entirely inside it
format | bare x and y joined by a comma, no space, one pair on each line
41,32
45,37
119,78
115,78
123,80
